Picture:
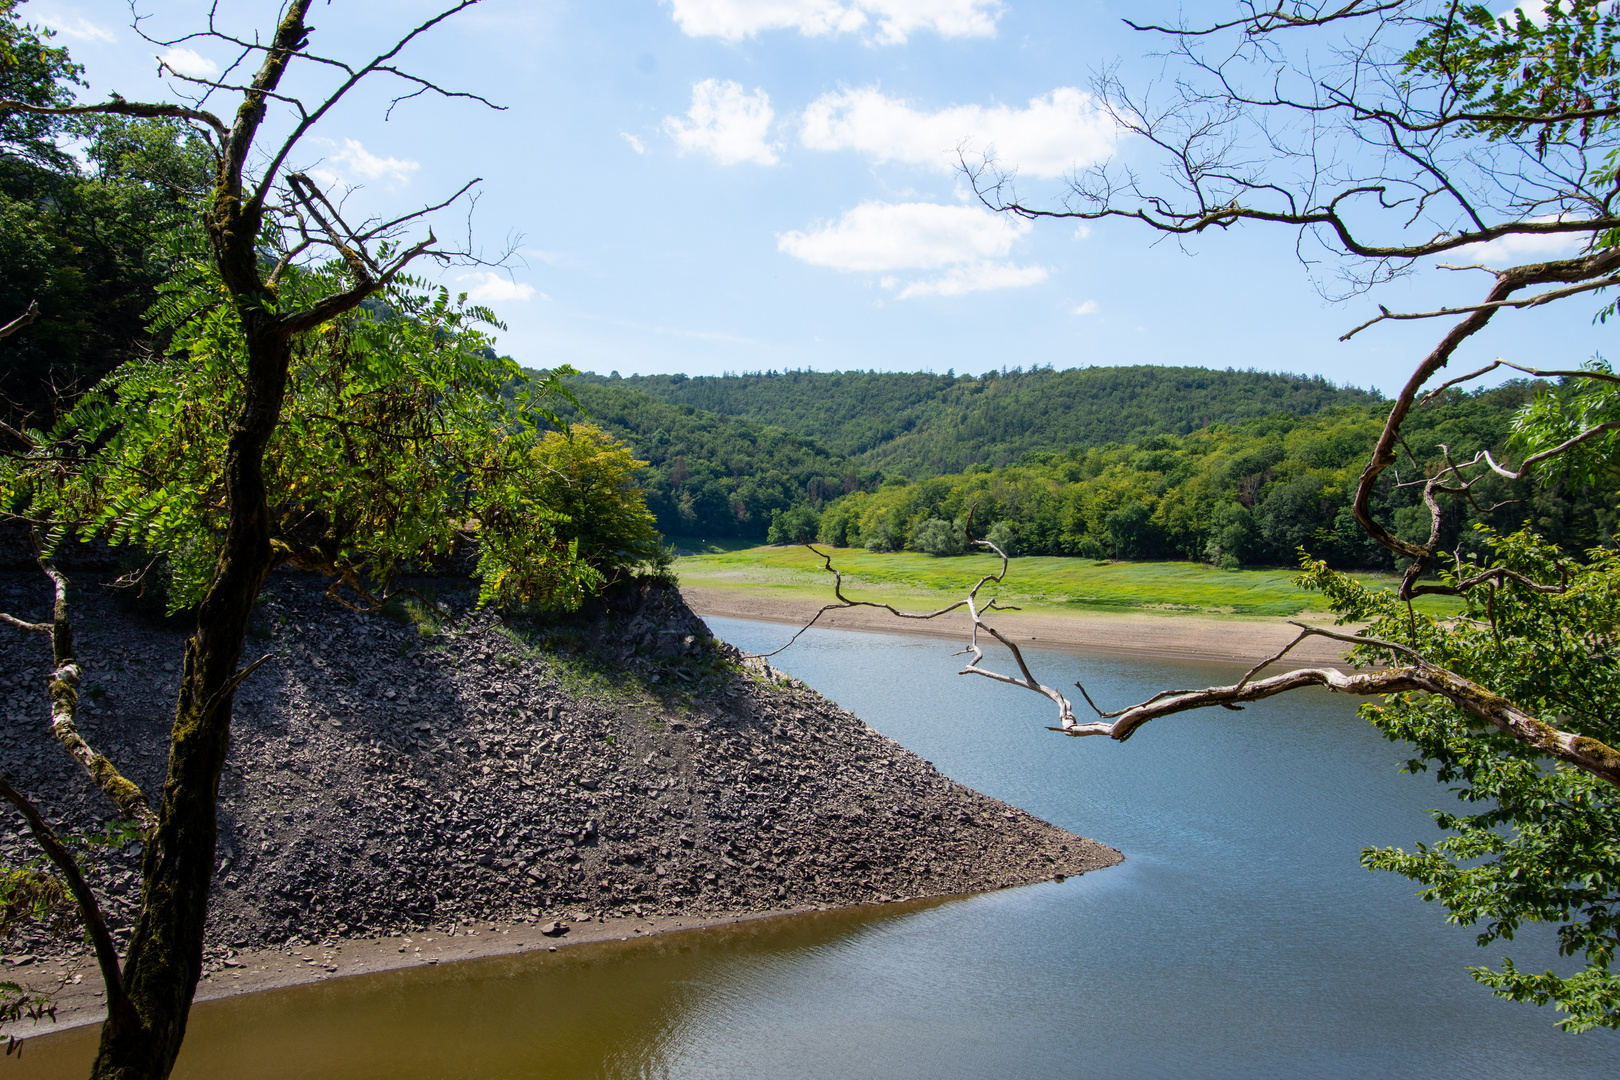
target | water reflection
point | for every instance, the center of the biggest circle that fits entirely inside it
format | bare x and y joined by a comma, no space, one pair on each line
609,1009
1239,939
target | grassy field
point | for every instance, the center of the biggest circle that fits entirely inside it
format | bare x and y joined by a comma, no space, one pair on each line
1037,583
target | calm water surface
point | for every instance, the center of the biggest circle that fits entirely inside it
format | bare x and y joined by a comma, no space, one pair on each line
1239,939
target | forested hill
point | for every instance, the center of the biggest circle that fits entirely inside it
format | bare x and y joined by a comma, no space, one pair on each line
917,424
716,476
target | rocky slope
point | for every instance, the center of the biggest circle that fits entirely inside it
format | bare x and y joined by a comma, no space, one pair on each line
394,774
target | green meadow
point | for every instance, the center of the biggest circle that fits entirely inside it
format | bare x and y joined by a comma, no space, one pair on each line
1043,583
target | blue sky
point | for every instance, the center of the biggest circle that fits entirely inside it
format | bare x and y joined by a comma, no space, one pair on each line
738,185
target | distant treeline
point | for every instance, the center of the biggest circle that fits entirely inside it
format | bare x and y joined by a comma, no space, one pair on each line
1232,494
919,424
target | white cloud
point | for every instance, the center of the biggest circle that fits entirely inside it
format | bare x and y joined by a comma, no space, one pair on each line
635,143
1087,308
726,122
969,243
1520,248
78,28
183,61
1050,137
492,288
354,163
1082,231
976,278
891,20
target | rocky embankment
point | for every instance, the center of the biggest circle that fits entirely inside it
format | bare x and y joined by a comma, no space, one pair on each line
390,775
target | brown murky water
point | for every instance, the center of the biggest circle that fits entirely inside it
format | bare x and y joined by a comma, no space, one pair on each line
608,1009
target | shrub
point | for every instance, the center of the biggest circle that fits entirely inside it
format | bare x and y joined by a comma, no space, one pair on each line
939,538
1001,535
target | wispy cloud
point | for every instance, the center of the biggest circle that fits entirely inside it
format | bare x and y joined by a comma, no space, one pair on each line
353,163
977,277
970,244
183,61
79,28
635,143
1050,137
1089,307
891,21
725,122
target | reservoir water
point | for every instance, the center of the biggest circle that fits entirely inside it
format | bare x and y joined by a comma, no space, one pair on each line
1240,938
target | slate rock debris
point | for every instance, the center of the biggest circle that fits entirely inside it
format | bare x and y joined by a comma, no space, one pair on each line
518,771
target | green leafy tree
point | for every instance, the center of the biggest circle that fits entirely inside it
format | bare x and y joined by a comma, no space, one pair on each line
939,538
229,455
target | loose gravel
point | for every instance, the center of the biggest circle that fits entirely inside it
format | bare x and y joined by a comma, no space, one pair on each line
451,765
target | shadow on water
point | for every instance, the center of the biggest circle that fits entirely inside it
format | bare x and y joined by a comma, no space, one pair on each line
607,1009
1239,939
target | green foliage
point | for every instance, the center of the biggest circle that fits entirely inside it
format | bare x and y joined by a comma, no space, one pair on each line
395,449
939,538
795,526
917,424
1001,535
712,476
1527,76
589,478
37,73
83,241
1249,493
1538,840
33,895
1559,415
89,248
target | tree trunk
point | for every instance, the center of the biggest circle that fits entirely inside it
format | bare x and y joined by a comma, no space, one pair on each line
165,953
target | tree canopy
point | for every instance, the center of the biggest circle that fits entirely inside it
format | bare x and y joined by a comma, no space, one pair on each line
919,424
309,404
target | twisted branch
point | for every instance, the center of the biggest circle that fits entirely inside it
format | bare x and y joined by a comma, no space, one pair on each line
63,689
95,926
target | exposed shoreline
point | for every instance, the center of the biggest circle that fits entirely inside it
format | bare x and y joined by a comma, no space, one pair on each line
394,798
1235,640
261,970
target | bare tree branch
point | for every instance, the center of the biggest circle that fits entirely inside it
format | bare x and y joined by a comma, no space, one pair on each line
21,321
124,793
119,107
95,925
845,602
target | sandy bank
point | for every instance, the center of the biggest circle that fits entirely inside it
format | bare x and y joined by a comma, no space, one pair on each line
1234,640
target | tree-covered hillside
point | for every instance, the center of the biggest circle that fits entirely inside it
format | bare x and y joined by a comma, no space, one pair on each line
718,476
1243,491
919,424
1252,492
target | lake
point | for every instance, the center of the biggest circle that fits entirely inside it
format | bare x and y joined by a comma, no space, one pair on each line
1240,938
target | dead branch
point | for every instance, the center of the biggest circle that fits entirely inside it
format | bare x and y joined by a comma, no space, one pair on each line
1529,302
63,689
1283,16
846,602
66,865
21,321
1587,754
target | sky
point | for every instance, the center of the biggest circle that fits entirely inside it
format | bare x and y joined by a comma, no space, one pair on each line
708,186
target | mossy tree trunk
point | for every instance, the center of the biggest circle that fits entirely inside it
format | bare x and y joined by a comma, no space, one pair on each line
150,999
